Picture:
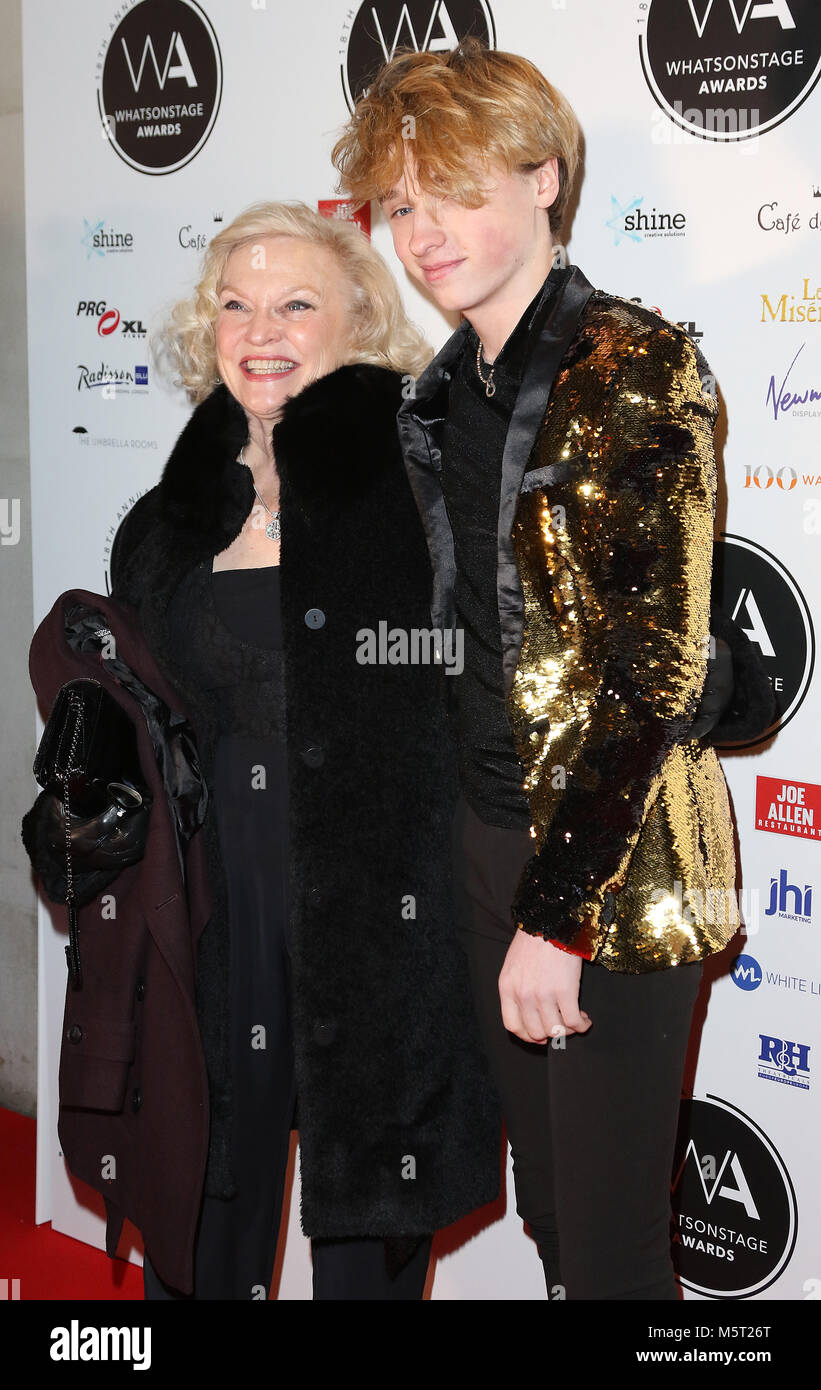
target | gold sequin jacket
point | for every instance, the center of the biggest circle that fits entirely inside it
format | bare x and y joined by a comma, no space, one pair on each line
604,575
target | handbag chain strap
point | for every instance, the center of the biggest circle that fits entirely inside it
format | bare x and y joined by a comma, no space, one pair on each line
73,948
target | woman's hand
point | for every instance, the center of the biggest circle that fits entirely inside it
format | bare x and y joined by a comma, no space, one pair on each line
539,990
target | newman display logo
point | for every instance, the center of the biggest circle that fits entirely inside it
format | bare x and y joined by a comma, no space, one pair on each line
380,27
159,86
788,808
790,394
730,69
734,1206
762,596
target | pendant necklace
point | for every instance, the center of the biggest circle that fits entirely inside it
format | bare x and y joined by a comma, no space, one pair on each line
273,528
489,384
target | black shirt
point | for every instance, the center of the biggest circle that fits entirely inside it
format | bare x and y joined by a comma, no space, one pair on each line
472,447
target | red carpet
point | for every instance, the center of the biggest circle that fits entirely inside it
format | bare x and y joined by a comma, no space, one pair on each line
48,1265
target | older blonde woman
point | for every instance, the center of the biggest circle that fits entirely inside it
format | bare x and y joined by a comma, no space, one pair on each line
268,566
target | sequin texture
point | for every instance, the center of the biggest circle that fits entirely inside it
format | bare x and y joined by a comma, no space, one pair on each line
635,864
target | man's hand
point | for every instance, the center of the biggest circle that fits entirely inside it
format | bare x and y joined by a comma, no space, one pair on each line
539,990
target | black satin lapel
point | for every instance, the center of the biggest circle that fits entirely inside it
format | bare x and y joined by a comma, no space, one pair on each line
528,413
419,423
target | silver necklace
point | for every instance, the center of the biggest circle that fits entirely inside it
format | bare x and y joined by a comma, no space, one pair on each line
273,528
490,384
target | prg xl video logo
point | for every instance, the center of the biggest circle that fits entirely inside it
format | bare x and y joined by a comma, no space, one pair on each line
729,69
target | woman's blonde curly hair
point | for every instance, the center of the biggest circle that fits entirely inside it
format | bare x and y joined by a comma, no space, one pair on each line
381,332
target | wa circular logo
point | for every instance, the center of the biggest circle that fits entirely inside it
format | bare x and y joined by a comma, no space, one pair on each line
381,28
763,598
159,85
735,1215
729,69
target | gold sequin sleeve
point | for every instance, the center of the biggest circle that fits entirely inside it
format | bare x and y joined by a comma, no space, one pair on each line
615,564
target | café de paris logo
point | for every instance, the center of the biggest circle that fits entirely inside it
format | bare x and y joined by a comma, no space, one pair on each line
730,69
379,29
159,84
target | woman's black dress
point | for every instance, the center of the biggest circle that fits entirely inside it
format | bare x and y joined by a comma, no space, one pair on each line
227,640
227,637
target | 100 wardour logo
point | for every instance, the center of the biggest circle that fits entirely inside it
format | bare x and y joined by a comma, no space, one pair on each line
729,69
380,27
159,84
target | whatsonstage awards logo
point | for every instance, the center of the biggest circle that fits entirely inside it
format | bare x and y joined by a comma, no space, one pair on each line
764,599
730,69
373,34
735,1216
159,84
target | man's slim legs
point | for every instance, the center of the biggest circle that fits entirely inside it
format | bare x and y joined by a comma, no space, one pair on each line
591,1123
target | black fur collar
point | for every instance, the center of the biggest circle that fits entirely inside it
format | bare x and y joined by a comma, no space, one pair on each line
330,442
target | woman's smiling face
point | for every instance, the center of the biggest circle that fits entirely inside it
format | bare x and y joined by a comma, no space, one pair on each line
283,321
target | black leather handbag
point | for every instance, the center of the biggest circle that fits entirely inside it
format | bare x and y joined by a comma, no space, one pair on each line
94,806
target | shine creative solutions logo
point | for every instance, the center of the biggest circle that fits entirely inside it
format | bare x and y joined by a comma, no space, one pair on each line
159,84
729,69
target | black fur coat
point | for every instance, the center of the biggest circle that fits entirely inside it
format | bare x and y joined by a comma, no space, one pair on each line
399,1127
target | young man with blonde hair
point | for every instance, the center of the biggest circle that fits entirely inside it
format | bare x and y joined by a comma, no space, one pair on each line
560,449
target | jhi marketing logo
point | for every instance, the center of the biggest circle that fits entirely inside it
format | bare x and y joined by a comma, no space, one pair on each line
780,1059
734,1206
789,902
788,808
632,221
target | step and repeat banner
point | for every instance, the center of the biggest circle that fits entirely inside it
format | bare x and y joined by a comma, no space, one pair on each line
150,124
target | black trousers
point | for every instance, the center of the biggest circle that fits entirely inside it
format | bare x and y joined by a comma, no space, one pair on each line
236,1239
591,1118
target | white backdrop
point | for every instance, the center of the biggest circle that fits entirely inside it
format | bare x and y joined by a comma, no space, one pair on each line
701,197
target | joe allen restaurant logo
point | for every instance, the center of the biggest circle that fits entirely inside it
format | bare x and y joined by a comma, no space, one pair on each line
159,84
380,27
729,69
788,808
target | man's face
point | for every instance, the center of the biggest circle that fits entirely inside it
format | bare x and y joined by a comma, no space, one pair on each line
471,258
